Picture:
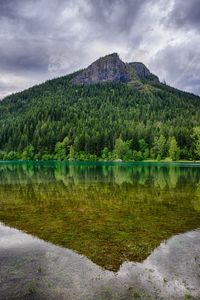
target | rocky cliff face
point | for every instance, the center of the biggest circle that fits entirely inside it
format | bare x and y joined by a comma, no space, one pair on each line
111,68
108,68
142,71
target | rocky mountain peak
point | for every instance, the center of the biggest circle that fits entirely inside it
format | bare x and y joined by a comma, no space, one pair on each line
143,72
111,68
107,68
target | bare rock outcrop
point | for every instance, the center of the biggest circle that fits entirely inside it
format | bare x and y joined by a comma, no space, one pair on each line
111,68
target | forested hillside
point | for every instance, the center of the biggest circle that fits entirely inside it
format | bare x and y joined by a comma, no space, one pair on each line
111,120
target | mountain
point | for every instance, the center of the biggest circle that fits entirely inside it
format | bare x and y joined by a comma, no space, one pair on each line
110,110
111,68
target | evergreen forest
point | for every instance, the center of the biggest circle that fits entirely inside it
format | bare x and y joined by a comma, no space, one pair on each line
104,121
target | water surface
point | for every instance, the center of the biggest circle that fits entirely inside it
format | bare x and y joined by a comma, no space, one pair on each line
110,213
34,269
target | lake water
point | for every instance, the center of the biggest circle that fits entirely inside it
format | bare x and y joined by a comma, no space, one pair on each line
109,212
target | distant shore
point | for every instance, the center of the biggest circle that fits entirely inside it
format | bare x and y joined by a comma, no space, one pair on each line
103,161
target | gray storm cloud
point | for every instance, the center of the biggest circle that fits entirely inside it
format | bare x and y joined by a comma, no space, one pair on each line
185,14
48,38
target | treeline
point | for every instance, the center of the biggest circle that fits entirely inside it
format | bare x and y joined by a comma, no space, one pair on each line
163,149
58,120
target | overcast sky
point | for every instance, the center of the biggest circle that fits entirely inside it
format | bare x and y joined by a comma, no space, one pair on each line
43,39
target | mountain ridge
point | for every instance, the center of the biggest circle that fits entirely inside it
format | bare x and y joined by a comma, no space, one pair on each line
111,68
144,75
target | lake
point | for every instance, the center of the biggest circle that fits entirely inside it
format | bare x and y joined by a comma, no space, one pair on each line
108,212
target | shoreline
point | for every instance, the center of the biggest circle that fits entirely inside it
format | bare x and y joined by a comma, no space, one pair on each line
107,162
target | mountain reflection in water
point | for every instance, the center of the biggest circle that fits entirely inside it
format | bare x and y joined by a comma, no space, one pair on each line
111,213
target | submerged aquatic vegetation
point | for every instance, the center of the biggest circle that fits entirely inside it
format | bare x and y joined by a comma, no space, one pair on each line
109,212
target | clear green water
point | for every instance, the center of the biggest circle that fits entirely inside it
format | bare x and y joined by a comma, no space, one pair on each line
109,212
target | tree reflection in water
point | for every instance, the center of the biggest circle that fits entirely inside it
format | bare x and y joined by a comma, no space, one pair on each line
109,212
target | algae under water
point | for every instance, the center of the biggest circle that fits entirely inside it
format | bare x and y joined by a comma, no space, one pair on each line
108,212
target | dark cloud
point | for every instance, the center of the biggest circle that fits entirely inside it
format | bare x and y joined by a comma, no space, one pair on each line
118,15
8,9
42,39
22,57
185,14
